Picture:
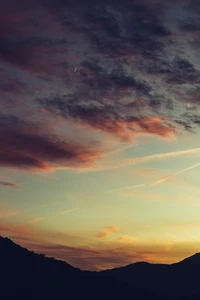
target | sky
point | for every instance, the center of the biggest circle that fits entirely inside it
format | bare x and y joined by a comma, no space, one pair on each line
99,129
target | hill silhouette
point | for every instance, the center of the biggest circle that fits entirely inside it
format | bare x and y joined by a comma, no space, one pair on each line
27,275
191,260
177,281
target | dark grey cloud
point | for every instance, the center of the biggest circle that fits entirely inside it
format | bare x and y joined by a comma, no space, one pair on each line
27,148
110,66
9,184
183,72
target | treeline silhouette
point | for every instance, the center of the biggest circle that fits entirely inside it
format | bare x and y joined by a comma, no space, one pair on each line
27,275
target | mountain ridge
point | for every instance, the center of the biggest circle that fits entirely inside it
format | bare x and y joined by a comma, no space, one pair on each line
28,271
34,276
193,259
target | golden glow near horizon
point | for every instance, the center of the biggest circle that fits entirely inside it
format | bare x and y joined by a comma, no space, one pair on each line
106,218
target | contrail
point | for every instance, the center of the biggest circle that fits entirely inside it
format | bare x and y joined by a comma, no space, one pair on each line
173,175
138,160
164,179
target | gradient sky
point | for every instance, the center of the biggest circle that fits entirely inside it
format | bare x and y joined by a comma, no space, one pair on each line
99,129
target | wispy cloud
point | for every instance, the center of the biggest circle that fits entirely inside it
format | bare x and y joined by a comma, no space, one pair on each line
162,180
36,220
107,230
120,252
139,160
130,187
126,240
9,184
68,211
8,213
171,176
22,230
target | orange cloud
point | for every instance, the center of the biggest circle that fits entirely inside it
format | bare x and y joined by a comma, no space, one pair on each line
106,231
84,252
126,130
8,213
126,240
113,255
13,229
154,126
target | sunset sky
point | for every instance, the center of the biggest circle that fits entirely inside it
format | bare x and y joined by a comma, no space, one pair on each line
99,129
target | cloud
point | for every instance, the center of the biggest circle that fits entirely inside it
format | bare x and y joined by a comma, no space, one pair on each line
31,147
86,258
131,187
120,253
15,229
8,213
36,220
127,240
106,231
86,252
9,184
171,176
33,150
110,119
144,159
162,180
68,211
123,82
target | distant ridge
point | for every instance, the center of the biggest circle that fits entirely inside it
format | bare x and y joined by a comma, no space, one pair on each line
177,281
191,260
34,276
7,246
15,256
27,275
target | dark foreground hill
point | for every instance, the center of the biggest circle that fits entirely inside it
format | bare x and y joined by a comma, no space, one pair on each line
31,276
27,275
179,281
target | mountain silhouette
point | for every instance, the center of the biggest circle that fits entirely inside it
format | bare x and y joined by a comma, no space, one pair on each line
191,260
14,257
176,281
27,275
